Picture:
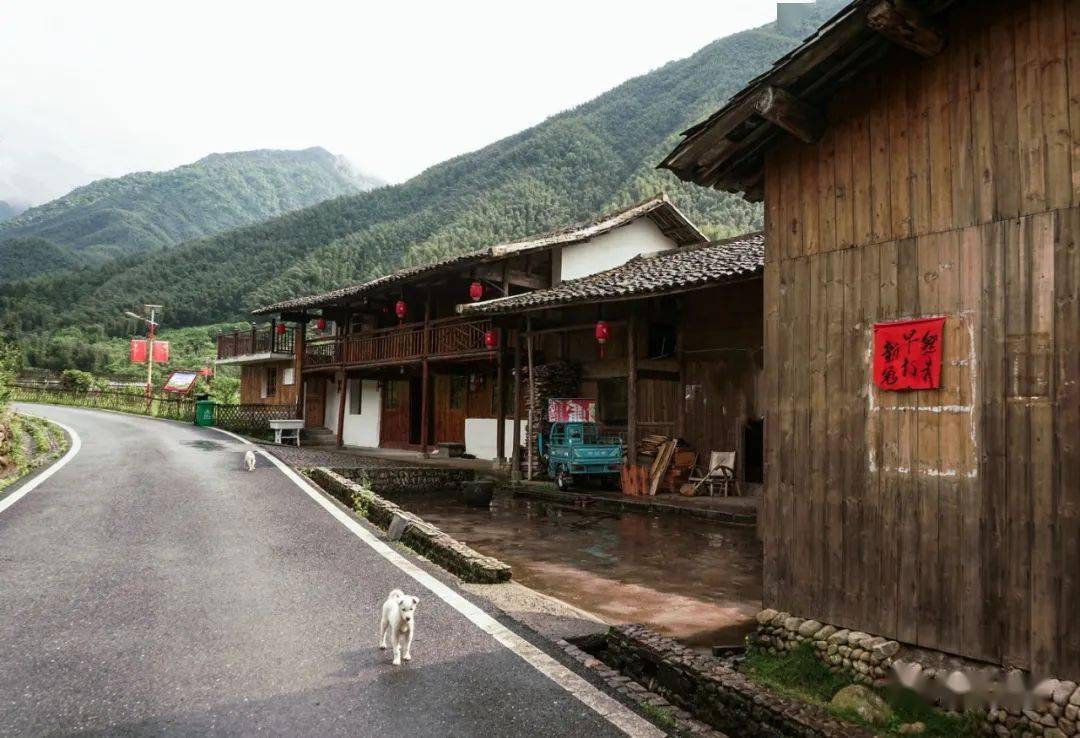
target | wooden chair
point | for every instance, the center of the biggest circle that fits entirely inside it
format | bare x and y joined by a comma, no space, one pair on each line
720,474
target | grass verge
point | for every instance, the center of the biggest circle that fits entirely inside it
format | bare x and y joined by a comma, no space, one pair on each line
47,442
801,675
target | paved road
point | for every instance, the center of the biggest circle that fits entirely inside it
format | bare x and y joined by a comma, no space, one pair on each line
153,586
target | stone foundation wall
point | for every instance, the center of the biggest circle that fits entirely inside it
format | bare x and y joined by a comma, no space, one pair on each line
868,659
397,479
714,692
426,539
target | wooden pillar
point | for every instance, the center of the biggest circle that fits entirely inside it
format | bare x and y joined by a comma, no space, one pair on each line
424,375
299,348
515,452
343,387
631,390
500,403
529,439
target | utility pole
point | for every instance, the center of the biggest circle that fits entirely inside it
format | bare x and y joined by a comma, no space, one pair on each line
151,332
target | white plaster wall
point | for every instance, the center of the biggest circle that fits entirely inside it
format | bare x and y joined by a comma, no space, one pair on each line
480,436
613,248
359,430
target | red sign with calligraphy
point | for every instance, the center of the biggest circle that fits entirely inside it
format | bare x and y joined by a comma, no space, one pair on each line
907,354
137,353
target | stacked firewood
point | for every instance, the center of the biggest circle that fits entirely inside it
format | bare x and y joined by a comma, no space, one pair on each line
557,379
672,462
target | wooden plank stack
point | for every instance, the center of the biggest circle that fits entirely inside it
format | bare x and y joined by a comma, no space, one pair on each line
671,466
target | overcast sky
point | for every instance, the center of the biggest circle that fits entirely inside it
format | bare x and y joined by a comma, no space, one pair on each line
113,86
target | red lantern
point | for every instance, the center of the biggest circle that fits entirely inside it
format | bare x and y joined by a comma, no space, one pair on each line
476,291
206,372
321,324
401,309
491,339
603,333
280,329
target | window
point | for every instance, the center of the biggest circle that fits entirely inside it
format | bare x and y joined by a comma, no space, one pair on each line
612,396
661,340
390,398
356,397
271,381
288,376
457,391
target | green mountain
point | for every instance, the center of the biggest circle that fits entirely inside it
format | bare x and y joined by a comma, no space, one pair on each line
598,156
153,210
8,210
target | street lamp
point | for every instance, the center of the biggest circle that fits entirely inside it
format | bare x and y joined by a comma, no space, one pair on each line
151,330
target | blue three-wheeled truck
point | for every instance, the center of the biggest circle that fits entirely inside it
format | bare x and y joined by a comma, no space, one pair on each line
576,451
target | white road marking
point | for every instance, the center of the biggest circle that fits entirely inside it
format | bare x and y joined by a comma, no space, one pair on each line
76,444
609,708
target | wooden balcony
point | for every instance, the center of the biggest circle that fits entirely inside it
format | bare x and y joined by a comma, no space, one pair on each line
442,340
254,344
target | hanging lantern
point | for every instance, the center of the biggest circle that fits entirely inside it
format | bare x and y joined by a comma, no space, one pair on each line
401,309
280,329
491,339
603,333
321,324
206,372
476,291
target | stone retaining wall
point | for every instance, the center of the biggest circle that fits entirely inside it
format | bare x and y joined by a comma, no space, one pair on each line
398,479
869,660
714,692
426,539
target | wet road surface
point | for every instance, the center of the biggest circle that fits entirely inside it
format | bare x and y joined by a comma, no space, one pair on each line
693,579
152,586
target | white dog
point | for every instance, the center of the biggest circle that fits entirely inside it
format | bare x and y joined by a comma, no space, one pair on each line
249,460
398,623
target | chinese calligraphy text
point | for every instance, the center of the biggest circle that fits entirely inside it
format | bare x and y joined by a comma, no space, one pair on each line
907,354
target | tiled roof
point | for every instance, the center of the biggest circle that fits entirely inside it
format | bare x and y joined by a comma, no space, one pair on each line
726,150
659,209
665,271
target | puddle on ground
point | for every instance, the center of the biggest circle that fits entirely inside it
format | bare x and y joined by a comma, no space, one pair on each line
686,577
203,445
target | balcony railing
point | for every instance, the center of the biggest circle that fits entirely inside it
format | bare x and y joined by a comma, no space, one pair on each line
254,341
441,339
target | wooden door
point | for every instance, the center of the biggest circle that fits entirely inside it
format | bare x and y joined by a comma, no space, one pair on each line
315,402
394,424
451,391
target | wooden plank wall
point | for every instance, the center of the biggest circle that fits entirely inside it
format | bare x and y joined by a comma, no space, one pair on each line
947,186
251,383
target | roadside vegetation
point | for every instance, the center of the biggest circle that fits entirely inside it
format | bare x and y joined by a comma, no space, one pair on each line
802,676
26,443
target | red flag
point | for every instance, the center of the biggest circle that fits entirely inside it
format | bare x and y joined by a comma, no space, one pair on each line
907,354
161,352
137,352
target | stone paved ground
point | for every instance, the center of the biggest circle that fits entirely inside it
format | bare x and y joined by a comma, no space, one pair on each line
314,456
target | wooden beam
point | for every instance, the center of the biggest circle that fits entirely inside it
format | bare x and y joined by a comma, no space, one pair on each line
299,349
907,26
800,119
512,276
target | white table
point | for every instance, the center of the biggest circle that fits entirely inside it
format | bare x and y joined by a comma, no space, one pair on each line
287,430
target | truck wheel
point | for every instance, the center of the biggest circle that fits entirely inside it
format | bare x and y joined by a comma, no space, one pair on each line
563,481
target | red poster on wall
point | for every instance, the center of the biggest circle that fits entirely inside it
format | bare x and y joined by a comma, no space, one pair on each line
137,352
907,354
571,410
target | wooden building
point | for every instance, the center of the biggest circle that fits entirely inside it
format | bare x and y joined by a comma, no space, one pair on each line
391,364
920,159
684,355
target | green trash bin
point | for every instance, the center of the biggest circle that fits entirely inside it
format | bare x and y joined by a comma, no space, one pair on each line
204,412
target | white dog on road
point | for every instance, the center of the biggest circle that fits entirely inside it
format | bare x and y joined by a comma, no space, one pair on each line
249,460
398,624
